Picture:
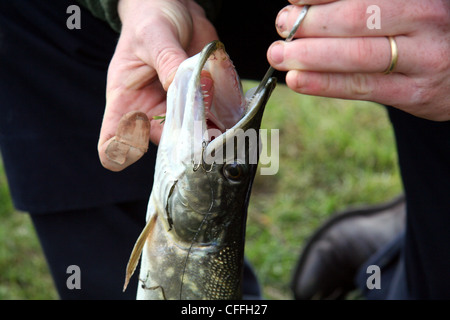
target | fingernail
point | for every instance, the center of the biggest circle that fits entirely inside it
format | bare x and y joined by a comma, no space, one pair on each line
134,130
281,22
130,142
167,82
277,53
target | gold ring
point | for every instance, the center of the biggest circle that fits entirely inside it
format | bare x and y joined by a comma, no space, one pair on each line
394,55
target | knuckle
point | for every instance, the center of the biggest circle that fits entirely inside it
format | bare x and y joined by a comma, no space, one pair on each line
358,86
437,61
166,58
180,19
355,18
297,54
143,30
422,96
441,16
424,91
427,101
362,53
327,83
436,12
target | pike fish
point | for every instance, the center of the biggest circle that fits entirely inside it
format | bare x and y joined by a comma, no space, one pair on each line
193,243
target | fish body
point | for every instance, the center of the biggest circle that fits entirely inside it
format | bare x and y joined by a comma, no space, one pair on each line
193,243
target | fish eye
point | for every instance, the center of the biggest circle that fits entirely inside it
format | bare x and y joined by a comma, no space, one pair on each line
234,171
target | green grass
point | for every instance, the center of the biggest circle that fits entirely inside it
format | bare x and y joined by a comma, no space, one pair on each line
23,270
333,154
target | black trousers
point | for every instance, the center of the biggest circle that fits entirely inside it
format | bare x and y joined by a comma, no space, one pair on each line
96,240
99,241
416,264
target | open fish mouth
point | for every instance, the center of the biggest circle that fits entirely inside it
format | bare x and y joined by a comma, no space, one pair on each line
223,101
206,105
218,116
214,102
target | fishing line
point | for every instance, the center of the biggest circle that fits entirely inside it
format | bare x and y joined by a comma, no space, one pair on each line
197,232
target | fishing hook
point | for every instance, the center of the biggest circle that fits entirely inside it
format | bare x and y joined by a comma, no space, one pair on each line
203,164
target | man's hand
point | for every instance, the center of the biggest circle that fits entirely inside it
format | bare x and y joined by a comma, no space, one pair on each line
157,35
337,55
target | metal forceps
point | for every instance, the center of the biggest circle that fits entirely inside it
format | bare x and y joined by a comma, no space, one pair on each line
297,24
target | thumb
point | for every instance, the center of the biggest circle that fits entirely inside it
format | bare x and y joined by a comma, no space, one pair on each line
165,38
166,58
129,144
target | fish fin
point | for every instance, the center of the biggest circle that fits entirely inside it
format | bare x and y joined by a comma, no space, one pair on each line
137,250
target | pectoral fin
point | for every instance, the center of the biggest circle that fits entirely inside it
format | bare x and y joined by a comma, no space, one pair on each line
137,249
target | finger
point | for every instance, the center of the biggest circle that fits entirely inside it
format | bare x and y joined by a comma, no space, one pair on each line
161,39
165,54
203,30
350,18
394,89
117,130
131,85
129,144
156,130
366,55
311,2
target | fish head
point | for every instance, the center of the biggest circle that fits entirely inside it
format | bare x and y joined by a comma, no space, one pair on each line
211,145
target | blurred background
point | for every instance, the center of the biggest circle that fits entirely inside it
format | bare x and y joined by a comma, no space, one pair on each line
334,155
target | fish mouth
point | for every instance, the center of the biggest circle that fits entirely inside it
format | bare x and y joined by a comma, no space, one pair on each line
223,104
205,102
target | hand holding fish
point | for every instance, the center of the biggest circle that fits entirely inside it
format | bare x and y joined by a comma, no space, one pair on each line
403,61
157,35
